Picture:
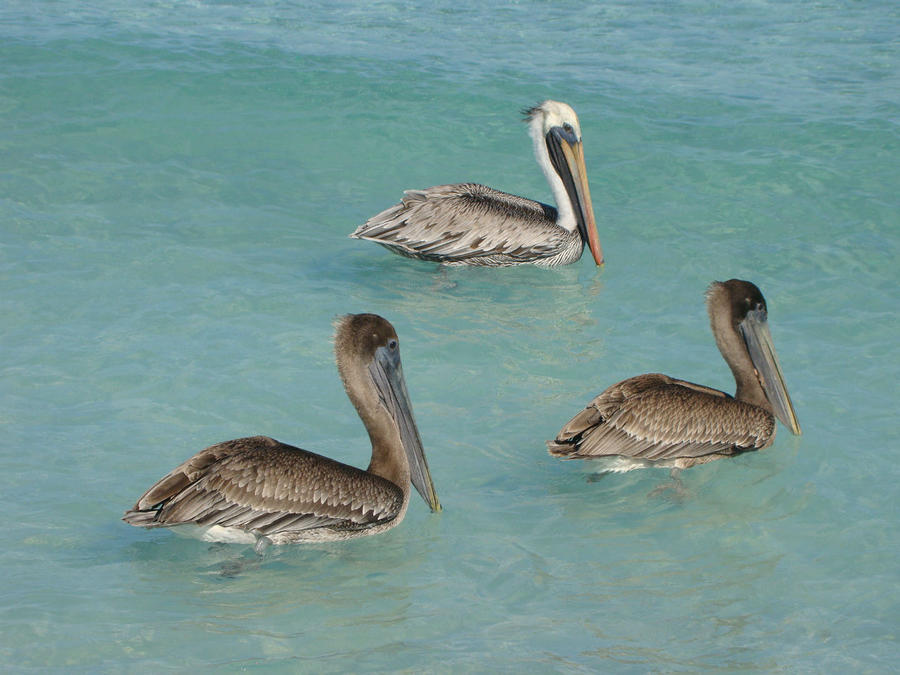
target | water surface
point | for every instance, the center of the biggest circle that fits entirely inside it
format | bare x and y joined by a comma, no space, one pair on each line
177,181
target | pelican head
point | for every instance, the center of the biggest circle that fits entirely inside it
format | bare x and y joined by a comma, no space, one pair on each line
556,134
368,357
742,304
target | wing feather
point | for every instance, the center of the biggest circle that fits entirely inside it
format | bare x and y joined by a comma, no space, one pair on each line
655,417
261,485
469,223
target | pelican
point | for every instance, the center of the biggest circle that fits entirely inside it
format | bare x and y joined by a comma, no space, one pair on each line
470,224
258,490
656,420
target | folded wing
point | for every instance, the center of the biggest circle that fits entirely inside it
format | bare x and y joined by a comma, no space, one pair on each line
261,485
466,222
655,417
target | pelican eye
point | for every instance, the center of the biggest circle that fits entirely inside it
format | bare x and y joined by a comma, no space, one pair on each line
392,344
568,128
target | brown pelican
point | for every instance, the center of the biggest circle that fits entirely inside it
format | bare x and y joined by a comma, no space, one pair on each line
470,224
656,420
257,490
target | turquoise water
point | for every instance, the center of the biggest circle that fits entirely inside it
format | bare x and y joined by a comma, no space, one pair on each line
177,181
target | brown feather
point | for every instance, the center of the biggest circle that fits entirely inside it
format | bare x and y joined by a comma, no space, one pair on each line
262,485
655,417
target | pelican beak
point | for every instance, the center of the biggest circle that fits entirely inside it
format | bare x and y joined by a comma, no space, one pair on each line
387,372
755,330
567,156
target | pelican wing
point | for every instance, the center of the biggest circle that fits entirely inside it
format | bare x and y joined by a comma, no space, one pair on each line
656,417
264,486
466,222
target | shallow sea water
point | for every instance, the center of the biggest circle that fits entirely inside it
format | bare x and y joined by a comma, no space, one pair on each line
177,181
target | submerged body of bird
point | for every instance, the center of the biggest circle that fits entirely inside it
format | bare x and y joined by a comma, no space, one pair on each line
657,420
471,224
257,489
